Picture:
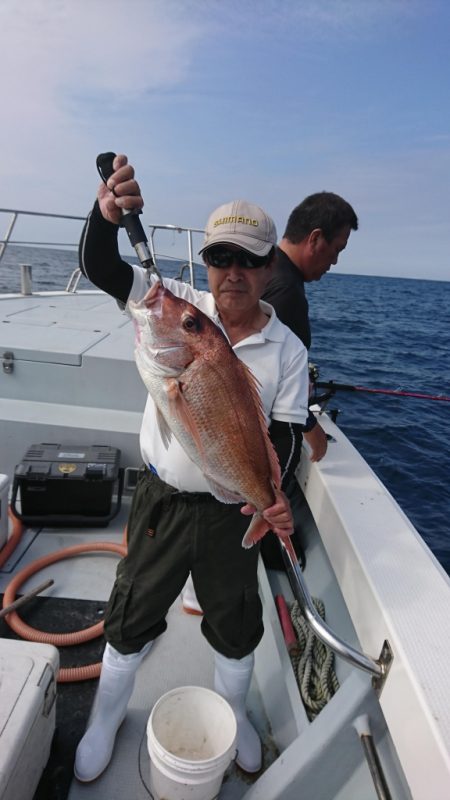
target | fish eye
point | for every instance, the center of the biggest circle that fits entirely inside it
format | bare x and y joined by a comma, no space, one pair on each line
191,323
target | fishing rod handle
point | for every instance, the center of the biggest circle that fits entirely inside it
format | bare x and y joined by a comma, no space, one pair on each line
130,219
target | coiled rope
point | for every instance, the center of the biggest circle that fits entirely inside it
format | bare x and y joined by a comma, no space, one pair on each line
313,663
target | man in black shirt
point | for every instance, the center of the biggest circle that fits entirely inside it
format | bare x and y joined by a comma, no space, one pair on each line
316,233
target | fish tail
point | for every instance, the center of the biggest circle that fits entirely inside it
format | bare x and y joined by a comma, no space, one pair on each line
256,530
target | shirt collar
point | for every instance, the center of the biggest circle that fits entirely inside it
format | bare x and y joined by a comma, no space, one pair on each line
273,329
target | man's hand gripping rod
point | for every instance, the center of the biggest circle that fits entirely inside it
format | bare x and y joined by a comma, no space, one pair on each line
130,219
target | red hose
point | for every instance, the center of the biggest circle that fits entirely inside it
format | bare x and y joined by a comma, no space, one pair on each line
17,530
58,639
286,624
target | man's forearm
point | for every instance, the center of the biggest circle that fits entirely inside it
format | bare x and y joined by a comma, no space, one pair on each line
99,257
287,441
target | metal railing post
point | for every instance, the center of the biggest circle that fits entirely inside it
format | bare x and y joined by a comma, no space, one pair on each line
191,268
378,668
8,233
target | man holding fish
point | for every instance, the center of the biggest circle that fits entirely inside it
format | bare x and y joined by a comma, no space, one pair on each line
227,382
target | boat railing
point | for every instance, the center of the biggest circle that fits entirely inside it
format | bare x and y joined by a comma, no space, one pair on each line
16,213
183,263
26,274
189,237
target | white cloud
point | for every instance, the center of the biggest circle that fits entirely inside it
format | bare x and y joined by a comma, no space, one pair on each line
95,44
149,77
70,68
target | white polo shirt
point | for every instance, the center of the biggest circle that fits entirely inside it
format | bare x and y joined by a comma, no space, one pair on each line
277,358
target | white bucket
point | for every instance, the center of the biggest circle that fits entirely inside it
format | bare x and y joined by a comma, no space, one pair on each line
191,740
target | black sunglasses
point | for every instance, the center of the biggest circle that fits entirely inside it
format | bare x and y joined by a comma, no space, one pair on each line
222,257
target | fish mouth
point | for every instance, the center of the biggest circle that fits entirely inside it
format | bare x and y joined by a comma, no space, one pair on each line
164,349
167,359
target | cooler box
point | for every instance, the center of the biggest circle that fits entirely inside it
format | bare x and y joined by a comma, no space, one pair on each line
67,485
28,673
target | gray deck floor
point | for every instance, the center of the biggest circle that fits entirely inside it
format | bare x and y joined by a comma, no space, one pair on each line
180,657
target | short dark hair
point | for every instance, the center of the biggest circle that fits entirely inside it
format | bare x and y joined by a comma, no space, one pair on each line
323,210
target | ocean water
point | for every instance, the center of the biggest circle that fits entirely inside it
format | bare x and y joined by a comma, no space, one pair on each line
392,333
386,333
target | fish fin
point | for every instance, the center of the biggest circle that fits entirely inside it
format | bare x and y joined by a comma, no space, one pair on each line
164,430
259,526
256,530
271,452
221,493
180,409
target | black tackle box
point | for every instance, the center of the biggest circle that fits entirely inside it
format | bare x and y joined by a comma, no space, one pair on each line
68,485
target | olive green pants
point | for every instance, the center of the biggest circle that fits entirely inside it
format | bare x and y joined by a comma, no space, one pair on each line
170,534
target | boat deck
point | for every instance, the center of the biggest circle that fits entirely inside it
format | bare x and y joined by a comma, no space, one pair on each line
72,376
377,578
181,657
68,351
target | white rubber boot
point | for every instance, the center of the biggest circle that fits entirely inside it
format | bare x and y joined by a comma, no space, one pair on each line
108,711
189,598
232,680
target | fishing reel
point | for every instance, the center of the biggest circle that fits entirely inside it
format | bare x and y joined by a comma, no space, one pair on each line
320,399
313,372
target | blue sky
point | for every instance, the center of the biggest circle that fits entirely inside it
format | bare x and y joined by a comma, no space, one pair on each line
216,100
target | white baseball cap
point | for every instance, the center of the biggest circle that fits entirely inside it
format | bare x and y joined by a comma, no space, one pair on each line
242,224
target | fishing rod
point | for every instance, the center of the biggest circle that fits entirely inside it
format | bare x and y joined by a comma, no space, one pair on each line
333,387
130,219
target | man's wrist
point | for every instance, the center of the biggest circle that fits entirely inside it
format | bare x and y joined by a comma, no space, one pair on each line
310,423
